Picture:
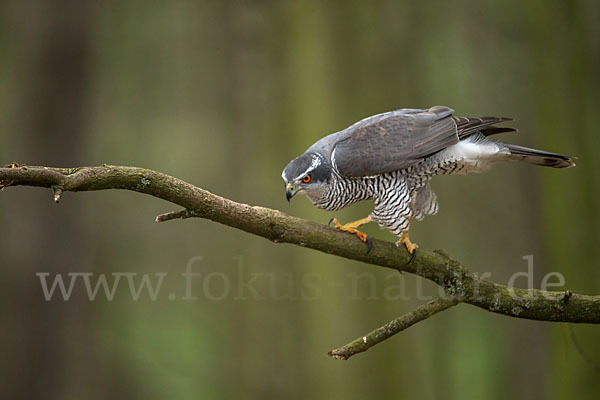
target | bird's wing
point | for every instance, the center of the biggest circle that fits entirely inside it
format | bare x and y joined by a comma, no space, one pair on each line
393,141
468,126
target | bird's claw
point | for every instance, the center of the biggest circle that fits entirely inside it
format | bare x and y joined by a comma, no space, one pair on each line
413,255
350,229
365,238
410,246
369,245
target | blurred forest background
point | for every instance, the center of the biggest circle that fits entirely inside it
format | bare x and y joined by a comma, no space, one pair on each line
223,94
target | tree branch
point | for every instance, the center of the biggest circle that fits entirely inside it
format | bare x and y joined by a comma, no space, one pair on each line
393,327
458,282
183,214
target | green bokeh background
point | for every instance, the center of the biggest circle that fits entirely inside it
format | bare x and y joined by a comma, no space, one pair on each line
223,94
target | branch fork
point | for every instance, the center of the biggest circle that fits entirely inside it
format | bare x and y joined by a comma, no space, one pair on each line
459,284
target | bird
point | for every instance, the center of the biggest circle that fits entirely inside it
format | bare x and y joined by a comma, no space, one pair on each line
390,158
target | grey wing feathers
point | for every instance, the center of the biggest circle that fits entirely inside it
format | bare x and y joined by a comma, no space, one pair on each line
468,126
393,141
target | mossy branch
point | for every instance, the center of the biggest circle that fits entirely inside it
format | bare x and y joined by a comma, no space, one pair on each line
460,284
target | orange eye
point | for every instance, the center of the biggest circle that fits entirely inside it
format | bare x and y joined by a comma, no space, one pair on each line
306,179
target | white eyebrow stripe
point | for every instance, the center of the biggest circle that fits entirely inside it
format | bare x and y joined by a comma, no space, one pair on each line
333,159
316,161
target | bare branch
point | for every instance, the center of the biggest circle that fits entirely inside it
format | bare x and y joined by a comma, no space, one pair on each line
183,214
57,193
393,327
458,282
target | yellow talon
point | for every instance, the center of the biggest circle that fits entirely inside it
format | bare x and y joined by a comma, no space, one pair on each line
404,240
351,227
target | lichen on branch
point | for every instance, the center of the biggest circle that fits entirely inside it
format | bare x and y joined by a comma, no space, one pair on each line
460,284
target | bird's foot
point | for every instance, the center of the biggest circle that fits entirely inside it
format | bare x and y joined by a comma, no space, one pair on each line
351,227
410,246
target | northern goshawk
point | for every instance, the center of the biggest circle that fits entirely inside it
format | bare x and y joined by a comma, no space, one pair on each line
390,158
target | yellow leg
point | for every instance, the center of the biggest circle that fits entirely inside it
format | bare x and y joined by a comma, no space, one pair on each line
410,246
351,227
404,240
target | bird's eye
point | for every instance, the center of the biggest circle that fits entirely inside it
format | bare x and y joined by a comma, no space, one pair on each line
306,179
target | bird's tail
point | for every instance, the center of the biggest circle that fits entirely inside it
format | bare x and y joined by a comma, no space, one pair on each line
539,157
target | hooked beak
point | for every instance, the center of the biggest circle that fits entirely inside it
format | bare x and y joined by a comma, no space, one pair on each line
289,191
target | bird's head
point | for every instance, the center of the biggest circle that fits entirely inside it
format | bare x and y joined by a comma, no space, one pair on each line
309,174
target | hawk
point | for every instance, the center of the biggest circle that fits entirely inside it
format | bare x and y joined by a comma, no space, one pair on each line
390,158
